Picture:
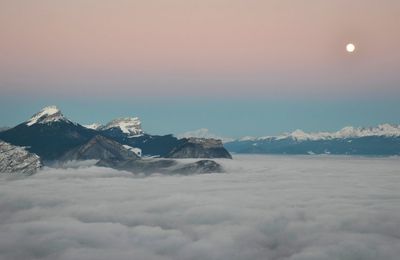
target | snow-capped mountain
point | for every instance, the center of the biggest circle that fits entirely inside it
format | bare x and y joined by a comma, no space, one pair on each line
129,125
47,115
384,130
380,140
128,131
48,134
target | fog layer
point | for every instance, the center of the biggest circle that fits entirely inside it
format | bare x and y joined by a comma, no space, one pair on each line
264,207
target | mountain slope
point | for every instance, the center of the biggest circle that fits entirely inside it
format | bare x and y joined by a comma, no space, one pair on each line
2,129
14,159
100,148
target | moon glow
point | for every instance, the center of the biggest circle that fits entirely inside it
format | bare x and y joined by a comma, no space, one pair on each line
350,47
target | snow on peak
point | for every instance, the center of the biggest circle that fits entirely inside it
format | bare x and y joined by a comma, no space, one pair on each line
47,115
346,132
380,130
94,126
128,125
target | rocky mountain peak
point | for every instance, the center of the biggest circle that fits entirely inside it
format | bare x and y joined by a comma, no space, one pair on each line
199,148
47,115
128,125
100,148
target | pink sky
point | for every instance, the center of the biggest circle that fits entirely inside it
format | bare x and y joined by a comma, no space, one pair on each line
191,47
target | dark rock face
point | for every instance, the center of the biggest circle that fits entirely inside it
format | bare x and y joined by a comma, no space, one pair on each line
151,145
199,148
51,140
14,159
203,166
163,166
100,148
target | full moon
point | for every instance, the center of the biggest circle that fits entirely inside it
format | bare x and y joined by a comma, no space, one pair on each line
350,47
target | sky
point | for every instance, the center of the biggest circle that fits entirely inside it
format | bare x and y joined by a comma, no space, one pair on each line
228,61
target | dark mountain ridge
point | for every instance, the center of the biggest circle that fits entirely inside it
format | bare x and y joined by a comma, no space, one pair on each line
48,134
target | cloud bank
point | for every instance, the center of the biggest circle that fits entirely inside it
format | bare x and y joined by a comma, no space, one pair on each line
264,207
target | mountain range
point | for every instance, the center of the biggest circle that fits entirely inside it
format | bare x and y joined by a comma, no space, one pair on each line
122,142
382,140
51,135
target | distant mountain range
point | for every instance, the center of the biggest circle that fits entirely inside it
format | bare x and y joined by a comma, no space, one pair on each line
381,140
52,136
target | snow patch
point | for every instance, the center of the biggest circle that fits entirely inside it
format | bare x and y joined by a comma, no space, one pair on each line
94,126
136,150
46,115
129,125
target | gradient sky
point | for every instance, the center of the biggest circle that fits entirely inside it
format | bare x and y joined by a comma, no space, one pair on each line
275,57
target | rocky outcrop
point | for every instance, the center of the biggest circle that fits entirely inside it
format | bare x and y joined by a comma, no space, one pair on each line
203,166
112,154
102,149
164,166
14,159
199,148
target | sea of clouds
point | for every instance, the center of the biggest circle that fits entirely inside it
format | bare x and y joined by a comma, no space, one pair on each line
263,207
